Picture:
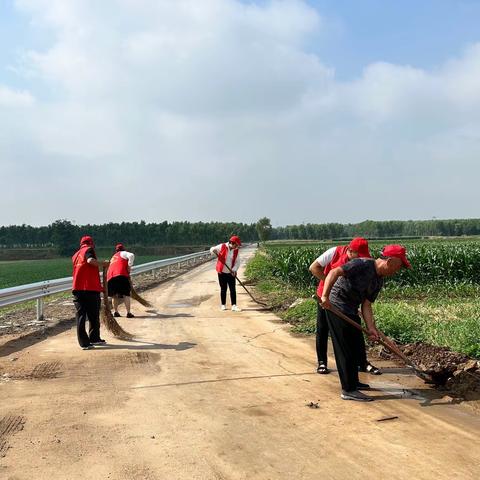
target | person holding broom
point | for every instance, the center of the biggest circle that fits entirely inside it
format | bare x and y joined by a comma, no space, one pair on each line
347,288
118,279
227,267
86,290
331,258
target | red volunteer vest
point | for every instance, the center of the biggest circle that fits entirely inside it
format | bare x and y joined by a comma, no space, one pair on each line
118,267
222,257
85,276
339,258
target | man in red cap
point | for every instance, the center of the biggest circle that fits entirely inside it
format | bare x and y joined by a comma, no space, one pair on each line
349,287
330,259
86,290
227,267
118,279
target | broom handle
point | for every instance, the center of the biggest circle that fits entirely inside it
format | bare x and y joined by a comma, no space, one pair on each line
240,282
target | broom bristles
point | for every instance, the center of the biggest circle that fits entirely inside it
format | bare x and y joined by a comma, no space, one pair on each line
106,315
112,325
139,299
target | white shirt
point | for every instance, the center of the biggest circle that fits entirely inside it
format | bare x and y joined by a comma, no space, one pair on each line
128,256
326,257
229,259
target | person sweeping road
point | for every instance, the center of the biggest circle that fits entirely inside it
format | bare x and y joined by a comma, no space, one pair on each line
86,290
227,267
118,279
348,287
330,259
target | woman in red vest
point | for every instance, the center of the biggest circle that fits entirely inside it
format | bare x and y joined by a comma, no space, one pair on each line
227,267
118,278
86,290
330,259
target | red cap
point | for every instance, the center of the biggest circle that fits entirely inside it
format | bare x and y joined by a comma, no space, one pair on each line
235,239
360,245
396,251
86,240
119,247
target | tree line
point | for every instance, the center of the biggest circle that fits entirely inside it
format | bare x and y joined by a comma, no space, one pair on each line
64,235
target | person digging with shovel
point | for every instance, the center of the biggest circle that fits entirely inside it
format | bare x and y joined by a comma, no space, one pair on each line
227,267
331,258
347,288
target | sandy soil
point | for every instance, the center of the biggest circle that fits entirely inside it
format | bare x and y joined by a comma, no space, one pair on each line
205,394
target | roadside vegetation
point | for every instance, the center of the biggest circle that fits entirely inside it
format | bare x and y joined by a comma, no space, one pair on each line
437,302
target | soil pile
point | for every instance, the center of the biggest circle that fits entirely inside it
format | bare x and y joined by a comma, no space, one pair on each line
453,371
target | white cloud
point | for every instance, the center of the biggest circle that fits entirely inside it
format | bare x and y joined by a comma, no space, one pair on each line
183,104
15,98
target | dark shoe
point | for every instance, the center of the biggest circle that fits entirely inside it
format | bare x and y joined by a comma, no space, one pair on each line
130,315
322,369
88,347
101,341
363,386
116,314
356,396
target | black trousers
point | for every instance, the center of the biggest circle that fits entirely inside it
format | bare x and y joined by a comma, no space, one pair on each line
87,305
227,280
321,336
321,340
347,346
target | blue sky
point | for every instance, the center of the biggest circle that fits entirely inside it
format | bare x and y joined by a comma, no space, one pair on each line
278,95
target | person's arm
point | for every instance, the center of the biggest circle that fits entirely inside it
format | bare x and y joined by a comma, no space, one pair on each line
93,261
317,270
318,266
236,266
332,277
216,250
367,314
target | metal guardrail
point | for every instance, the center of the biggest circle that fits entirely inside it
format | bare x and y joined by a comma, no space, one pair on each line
39,290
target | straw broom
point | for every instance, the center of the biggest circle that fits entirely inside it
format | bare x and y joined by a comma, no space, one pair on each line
137,297
106,316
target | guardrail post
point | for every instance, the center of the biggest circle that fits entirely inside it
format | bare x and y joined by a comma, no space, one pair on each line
40,308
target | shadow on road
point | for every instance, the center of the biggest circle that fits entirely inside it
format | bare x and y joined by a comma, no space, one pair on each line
179,347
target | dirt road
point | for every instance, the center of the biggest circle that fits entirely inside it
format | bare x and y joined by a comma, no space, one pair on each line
205,394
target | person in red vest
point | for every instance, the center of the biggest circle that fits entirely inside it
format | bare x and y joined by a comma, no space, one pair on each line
118,278
86,290
330,259
227,267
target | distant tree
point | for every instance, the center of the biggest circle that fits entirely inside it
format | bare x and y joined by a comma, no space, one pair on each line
264,229
64,237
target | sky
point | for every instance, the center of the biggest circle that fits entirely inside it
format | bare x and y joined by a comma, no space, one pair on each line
304,111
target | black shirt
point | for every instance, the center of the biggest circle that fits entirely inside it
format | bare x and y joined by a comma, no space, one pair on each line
90,253
360,282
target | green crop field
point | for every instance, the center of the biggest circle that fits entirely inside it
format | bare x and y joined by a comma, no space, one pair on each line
21,272
437,301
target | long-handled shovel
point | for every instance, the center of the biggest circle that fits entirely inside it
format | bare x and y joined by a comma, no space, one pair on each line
387,343
240,282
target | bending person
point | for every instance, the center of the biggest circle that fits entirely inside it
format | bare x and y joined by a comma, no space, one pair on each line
330,259
353,285
227,267
118,279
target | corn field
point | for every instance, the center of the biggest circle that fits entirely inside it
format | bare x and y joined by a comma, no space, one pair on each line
433,263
